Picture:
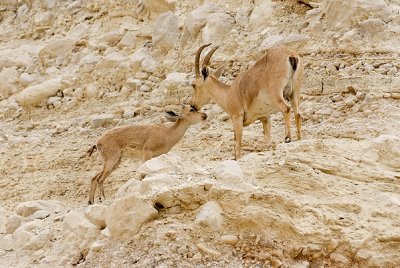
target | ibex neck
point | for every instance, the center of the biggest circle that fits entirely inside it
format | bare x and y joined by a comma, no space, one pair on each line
219,92
177,130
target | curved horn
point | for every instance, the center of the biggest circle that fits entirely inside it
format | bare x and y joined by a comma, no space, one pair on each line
197,60
208,57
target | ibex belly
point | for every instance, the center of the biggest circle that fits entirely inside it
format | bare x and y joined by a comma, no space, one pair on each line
262,106
132,152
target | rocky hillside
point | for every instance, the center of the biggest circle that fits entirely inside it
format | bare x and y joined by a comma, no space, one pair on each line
72,69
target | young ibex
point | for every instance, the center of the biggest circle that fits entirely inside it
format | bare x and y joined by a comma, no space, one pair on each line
256,93
145,141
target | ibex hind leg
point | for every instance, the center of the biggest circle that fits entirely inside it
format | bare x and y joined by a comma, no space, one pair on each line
109,166
284,108
93,186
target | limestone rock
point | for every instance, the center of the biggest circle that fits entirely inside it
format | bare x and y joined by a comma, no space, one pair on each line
229,170
281,40
165,30
38,241
111,60
77,223
162,164
28,208
217,27
260,15
95,214
145,8
128,40
103,120
197,19
126,215
38,94
229,239
25,79
40,215
210,215
12,224
141,59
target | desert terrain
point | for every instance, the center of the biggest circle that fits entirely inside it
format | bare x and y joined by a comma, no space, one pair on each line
71,70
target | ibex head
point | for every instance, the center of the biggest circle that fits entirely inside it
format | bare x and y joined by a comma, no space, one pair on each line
202,83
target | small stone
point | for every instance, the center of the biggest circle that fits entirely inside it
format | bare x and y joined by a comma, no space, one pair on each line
337,98
392,71
40,215
386,95
26,79
395,95
337,114
141,75
204,248
198,256
97,246
351,101
338,258
145,88
369,68
105,232
103,120
229,239
126,91
386,66
361,95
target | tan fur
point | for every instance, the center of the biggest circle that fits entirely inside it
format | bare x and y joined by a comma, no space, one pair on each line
256,93
145,142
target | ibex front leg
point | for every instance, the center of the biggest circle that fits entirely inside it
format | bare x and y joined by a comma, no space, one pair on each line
238,129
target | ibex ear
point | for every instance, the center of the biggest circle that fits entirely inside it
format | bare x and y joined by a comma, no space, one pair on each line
204,72
171,116
219,71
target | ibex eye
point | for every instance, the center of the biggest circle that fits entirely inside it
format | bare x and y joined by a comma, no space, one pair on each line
192,110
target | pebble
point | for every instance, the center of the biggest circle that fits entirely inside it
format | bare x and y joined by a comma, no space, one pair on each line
337,98
350,101
392,71
338,258
395,95
229,239
102,120
208,250
97,246
40,215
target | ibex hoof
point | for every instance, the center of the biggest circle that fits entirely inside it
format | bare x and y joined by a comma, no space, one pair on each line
90,203
288,139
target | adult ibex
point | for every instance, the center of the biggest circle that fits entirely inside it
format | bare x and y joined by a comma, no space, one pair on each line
256,93
145,141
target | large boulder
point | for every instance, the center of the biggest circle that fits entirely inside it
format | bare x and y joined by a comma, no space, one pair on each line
126,215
